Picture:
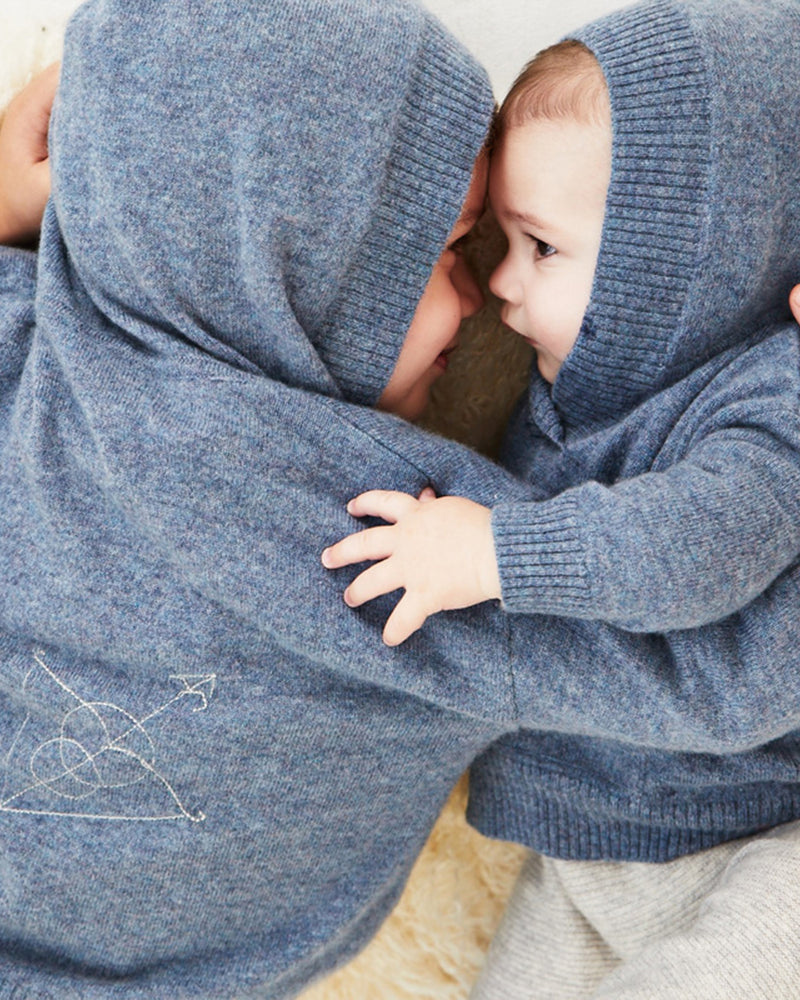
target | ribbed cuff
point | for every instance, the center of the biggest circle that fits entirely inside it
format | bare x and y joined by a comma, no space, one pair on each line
438,134
540,557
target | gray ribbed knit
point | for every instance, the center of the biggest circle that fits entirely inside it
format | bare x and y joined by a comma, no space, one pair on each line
719,925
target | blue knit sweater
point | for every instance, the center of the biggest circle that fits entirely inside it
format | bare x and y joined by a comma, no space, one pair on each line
216,777
666,461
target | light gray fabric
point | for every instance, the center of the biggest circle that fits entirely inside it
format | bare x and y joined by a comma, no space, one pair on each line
719,925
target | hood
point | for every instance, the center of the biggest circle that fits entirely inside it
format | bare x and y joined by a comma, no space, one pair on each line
701,242
269,183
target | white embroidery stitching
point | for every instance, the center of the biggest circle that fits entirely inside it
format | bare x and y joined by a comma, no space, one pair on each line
100,748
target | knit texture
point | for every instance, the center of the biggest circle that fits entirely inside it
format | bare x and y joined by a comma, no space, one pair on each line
196,804
216,777
666,455
675,286
721,925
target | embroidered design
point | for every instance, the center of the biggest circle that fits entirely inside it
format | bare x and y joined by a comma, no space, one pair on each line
101,762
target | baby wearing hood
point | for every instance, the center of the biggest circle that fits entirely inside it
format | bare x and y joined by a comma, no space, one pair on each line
642,177
209,785
160,385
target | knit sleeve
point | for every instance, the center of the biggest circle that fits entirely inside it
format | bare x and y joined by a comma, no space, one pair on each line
671,549
17,290
195,510
723,688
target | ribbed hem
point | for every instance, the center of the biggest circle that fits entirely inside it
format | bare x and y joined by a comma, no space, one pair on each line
512,799
439,133
540,557
661,116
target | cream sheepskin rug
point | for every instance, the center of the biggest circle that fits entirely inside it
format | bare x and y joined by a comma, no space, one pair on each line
432,946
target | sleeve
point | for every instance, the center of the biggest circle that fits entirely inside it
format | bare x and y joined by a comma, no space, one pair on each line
155,504
17,292
721,689
145,522
685,545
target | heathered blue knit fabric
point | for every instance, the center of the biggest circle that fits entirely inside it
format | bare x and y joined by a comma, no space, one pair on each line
216,777
667,462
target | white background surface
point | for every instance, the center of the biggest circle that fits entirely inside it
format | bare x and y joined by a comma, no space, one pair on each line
503,34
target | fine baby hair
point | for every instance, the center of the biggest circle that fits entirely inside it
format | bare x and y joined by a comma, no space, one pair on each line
562,81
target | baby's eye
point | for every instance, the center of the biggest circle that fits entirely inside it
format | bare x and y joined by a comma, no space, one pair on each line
543,249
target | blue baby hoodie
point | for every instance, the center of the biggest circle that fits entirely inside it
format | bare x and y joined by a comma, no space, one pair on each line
666,458
215,776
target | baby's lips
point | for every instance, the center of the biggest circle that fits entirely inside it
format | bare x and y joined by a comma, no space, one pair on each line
443,358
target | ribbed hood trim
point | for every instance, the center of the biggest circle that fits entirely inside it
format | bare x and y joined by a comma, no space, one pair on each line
655,208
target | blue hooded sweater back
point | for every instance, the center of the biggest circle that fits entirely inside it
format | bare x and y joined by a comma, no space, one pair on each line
204,792
216,777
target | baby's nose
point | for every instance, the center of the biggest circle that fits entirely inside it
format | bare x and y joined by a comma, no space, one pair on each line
501,281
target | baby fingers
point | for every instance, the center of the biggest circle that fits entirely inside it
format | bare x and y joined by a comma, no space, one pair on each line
389,505
378,579
363,546
408,616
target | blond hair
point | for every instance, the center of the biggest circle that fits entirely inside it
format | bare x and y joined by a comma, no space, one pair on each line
563,81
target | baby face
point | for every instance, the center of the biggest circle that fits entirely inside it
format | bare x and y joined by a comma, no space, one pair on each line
547,188
450,296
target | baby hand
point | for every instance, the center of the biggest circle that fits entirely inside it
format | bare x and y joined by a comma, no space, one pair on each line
24,163
440,551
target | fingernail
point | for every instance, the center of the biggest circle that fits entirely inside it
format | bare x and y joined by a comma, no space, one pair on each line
325,556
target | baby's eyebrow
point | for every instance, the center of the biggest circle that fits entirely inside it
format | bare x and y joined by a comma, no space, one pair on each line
529,220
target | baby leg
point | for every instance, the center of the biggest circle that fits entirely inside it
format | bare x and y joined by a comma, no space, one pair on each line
742,941
544,949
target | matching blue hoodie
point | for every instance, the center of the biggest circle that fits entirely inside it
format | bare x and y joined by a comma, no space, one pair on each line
665,532
215,776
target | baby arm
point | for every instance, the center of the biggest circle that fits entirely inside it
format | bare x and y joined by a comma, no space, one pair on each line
439,551
24,162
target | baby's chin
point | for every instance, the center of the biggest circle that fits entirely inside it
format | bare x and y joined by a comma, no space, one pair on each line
413,406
